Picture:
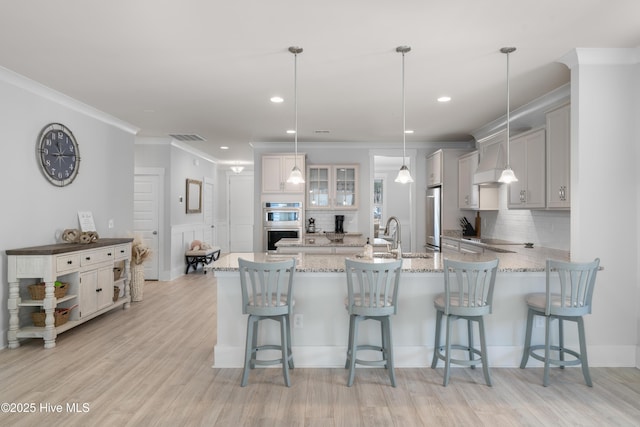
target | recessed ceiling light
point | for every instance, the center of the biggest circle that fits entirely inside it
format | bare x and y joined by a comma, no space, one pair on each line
291,131
224,147
276,99
408,131
444,99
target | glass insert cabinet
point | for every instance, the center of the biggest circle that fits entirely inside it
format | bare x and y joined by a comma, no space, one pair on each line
332,187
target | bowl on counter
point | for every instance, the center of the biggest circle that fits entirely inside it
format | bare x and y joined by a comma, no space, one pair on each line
333,236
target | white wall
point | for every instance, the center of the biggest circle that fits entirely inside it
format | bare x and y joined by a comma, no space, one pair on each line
604,140
33,210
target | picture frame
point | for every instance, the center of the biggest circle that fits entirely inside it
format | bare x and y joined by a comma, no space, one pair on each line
194,196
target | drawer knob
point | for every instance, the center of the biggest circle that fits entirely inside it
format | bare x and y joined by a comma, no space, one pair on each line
69,262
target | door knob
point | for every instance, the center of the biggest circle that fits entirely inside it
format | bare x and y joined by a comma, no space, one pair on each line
154,232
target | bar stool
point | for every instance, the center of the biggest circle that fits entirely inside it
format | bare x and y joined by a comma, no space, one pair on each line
468,294
566,298
267,294
372,294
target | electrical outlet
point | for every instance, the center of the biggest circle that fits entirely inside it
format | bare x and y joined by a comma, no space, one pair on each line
539,323
298,321
110,225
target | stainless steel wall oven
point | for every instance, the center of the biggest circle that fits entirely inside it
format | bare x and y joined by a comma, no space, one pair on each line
281,220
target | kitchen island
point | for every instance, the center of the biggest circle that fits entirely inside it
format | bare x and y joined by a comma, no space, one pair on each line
321,322
319,243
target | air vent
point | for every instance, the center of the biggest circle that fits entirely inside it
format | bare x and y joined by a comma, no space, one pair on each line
322,131
187,137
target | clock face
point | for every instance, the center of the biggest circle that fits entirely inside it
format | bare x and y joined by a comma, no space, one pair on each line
58,154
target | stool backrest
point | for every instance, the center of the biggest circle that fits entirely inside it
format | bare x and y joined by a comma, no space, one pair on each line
468,287
266,287
570,287
373,287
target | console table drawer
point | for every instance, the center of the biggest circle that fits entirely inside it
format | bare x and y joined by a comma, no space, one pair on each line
97,256
67,262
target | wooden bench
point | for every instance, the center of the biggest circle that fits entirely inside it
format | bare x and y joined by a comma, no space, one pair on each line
201,256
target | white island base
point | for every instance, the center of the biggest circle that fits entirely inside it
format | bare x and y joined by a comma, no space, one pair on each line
321,341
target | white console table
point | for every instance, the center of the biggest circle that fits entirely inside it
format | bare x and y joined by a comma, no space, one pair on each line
87,268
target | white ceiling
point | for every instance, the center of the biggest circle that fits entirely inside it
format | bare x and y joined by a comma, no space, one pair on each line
209,67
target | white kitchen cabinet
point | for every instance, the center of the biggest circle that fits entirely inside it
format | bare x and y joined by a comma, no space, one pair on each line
87,268
527,159
332,187
275,172
434,168
468,193
558,157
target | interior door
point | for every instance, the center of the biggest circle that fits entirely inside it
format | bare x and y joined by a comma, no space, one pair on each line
240,213
209,231
146,219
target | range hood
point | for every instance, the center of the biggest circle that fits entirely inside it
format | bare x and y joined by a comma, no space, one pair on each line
492,163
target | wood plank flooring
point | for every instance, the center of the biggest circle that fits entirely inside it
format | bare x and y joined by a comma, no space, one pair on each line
150,365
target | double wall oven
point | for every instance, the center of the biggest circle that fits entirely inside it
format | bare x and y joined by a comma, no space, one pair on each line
281,220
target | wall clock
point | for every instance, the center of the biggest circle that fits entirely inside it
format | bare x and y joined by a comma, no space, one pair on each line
58,155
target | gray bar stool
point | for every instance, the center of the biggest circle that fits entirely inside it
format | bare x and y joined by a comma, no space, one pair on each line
566,298
372,288
468,294
267,294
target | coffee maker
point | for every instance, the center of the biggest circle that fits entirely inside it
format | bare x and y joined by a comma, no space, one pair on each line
339,224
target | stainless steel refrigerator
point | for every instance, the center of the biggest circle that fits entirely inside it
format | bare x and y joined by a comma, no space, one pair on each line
434,218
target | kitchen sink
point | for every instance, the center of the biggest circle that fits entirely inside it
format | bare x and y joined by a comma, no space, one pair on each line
390,255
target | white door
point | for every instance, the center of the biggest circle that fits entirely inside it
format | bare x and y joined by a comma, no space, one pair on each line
209,231
146,219
240,213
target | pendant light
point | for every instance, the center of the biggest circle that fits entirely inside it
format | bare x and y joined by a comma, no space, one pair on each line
404,176
295,177
508,176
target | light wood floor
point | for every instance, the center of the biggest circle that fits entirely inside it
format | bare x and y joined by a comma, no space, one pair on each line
151,365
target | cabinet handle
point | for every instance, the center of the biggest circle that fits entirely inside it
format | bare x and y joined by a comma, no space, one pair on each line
69,262
99,290
88,258
109,254
122,251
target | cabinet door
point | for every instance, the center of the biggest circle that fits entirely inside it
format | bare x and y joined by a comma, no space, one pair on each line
88,303
318,187
434,168
104,291
467,191
271,171
345,187
527,153
558,158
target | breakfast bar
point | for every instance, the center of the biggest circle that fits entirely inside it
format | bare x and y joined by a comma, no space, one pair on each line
320,322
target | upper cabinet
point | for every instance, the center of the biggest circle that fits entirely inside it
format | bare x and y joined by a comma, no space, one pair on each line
527,159
434,169
558,158
332,187
275,171
468,193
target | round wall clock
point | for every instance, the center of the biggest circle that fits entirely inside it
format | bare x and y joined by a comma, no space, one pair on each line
58,155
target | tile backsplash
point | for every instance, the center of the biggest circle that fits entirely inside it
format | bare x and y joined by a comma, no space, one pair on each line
325,220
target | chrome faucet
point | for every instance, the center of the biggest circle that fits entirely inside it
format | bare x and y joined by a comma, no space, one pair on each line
396,247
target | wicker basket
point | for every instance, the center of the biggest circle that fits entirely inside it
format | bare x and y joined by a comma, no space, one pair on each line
116,293
117,272
334,237
60,315
37,291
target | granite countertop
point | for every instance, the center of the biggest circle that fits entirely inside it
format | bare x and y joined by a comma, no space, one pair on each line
319,240
520,260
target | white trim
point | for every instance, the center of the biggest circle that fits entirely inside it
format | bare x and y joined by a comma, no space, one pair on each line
601,56
46,92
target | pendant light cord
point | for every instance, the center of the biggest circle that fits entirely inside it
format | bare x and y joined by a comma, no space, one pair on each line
404,120
295,105
508,113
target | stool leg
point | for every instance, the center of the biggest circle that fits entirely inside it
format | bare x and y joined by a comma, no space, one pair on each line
527,340
447,353
388,350
547,350
470,335
349,347
583,352
385,344
485,354
289,341
436,345
248,351
561,340
354,349
254,343
284,346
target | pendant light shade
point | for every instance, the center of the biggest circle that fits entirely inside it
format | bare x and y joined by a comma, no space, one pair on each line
404,176
295,177
508,176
